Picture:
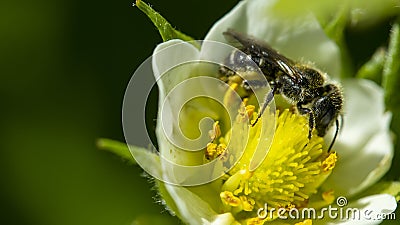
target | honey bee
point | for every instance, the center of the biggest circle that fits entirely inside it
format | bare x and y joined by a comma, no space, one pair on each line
303,86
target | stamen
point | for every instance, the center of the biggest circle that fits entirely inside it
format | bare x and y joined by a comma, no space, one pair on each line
211,151
229,97
247,203
215,132
292,171
328,196
250,110
255,221
229,199
214,150
329,163
305,222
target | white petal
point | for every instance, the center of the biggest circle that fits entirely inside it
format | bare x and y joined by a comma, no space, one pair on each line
184,119
369,211
364,114
222,219
365,146
192,209
168,55
300,39
363,168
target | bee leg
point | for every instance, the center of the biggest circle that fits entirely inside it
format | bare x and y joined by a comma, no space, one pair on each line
334,137
267,100
310,113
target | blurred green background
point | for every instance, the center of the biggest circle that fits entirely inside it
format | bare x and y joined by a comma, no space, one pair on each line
64,69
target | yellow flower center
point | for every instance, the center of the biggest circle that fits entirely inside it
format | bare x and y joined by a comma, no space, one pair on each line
292,171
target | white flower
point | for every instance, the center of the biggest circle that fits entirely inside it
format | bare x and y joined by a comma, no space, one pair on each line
364,145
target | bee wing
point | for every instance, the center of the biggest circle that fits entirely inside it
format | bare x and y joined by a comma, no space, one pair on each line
258,48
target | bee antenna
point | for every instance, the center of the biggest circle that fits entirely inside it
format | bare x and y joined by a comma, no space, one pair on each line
334,137
341,120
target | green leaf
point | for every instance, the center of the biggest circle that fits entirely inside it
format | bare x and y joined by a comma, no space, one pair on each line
391,71
166,30
391,85
118,148
167,200
335,30
148,159
373,69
